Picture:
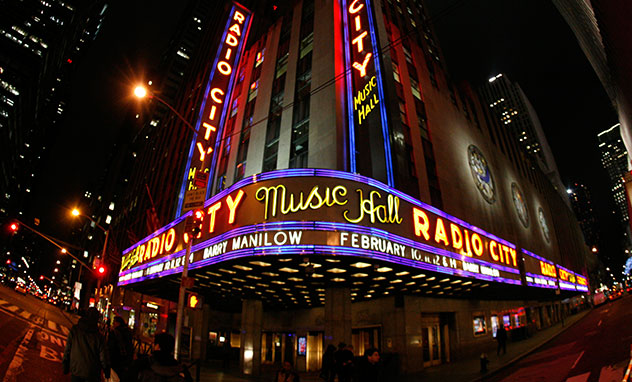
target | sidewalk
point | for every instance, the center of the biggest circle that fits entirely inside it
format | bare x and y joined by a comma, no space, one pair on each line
465,370
468,370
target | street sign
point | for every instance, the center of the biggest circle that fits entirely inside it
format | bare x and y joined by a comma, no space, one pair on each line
200,180
194,198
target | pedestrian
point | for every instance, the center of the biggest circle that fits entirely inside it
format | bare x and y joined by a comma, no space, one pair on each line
338,359
370,368
120,347
160,366
346,364
328,372
287,373
501,337
226,355
85,356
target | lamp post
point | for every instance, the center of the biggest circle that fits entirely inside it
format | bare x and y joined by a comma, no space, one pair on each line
142,92
76,212
99,274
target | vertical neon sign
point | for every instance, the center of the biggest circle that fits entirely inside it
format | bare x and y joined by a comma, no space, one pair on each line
365,91
202,153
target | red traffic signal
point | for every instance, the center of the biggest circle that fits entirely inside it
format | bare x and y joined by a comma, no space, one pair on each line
14,227
194,301
101,270
196,226
41,277
8,262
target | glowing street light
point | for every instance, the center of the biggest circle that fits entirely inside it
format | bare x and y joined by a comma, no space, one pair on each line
141,92
63,250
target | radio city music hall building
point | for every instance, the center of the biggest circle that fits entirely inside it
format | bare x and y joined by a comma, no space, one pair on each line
352,194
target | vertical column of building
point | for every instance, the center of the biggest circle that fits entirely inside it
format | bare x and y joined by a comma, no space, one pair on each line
273,129
249,119
338,315
299,142
413,149
404,332
325,127
251,324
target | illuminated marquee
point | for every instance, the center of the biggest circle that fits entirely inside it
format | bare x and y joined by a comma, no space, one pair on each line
365,95
539,272
215,105
569,281
325,212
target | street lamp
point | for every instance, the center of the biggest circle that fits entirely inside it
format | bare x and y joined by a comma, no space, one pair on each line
141,92
76,212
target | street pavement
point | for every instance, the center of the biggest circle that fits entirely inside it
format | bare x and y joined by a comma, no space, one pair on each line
592,346
596,348
32,338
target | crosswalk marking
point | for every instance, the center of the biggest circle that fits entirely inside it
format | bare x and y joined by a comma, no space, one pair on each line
2,302
64,329
12,308
52,325
25,314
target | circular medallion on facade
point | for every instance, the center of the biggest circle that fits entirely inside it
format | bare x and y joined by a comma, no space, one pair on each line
520,205
543,225
481,174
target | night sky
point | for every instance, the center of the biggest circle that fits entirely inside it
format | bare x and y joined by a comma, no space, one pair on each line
527,39
531,42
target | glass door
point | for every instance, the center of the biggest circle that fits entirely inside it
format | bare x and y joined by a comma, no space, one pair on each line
431,345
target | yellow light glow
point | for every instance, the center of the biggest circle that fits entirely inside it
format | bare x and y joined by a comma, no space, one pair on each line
75,212
140,92
63,250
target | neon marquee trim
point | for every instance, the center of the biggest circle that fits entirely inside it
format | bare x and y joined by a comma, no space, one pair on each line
228,102
380,89
352,151
380,86
537,257
330,226
227,93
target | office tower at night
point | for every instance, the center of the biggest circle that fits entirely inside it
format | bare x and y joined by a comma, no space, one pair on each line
40,46
602,31
511,107
614,158
582,204
348,192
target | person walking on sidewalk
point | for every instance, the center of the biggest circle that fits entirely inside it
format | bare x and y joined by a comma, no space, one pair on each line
501,337
287,373
328,372
120,347
85,355
161,366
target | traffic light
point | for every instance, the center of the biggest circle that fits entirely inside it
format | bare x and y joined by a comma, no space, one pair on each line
14,227
41,277
101,270
8,262
194,301
196,226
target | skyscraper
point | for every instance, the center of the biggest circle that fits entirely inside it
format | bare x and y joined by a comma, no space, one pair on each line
602,30
40,45
582,204
511,107
614,158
